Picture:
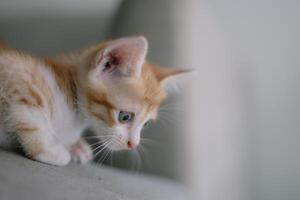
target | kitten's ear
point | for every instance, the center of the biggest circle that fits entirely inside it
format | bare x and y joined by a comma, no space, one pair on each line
169,77
122,57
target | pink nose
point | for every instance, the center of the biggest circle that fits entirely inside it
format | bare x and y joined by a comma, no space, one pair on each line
131,145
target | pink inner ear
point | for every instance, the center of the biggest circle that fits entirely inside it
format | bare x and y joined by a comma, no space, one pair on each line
125,56
112,62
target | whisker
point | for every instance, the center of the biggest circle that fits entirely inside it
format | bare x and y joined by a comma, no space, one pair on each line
111,158
150,142
138,160
101,150
98,142
104,144
96,136
116,139
143,151
103,157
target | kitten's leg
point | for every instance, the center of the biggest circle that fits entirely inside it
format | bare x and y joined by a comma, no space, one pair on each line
36,135
81,152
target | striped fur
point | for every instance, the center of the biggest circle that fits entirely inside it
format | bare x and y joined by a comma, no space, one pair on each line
47,103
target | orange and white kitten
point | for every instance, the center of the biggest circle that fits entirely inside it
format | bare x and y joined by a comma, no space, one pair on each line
47,103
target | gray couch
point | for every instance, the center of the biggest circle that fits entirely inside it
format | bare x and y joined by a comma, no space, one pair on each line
21,178
50,27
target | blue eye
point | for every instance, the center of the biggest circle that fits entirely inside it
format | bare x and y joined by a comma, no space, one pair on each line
125,117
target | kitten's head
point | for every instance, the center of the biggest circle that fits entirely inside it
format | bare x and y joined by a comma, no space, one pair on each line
122,91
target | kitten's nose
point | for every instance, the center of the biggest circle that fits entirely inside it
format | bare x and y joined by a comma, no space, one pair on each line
131,145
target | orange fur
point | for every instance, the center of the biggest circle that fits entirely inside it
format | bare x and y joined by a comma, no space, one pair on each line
39,86
25,128
66,79
147,91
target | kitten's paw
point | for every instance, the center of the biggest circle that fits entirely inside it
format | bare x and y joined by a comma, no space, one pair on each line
81,152
56,155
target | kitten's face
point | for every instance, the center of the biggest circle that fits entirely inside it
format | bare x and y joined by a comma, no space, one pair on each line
123,92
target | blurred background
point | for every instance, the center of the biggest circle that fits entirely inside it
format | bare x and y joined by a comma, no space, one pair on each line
232,132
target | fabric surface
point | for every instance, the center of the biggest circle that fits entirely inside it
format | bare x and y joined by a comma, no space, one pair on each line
22,178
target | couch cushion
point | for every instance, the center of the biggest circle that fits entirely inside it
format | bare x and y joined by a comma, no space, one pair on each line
22,178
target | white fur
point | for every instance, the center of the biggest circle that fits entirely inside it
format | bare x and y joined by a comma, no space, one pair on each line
60,133
57,133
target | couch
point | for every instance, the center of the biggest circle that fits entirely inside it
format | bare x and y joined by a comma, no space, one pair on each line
46,28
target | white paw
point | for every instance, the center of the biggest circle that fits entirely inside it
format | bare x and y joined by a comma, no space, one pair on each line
56,155
81,152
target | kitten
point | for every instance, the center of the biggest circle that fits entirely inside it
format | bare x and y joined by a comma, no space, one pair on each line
47,104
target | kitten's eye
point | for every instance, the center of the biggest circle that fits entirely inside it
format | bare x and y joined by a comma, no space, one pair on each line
125,117
147,123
